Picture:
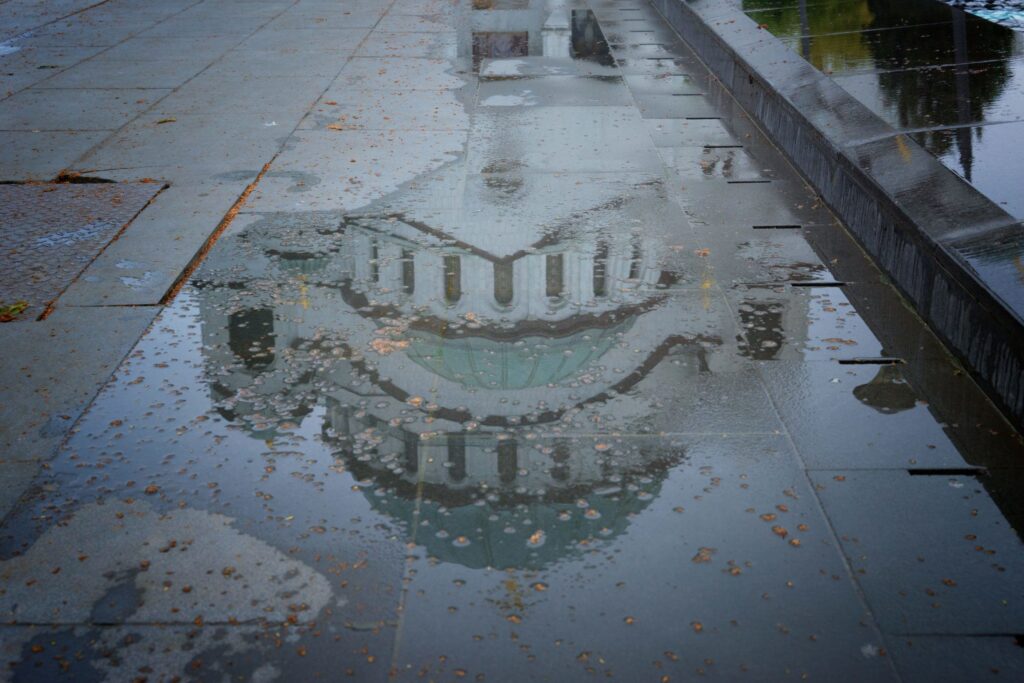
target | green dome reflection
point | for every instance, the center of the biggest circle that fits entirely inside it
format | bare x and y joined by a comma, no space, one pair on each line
524,363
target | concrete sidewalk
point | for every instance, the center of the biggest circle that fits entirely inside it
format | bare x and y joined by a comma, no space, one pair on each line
483,341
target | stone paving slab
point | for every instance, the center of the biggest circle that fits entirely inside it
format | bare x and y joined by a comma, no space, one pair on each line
27,67
858,417
959,577
103,72
78,109
952,659
140,268
43,155
91,341
52,232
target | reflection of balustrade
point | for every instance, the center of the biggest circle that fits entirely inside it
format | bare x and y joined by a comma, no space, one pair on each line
613,272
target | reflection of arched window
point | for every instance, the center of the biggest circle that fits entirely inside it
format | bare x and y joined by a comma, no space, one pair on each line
508,461
375,262
452,279
251,336
560,471
457,457
503,286
555,275
634,260
408,272
601,270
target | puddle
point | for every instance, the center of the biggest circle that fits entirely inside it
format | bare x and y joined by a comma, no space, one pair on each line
511,410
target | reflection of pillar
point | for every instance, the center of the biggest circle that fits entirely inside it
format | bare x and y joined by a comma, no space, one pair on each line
963,92
555,35
412,450
408,272
508,461
601,269
504,282
457,456
452,279
805,32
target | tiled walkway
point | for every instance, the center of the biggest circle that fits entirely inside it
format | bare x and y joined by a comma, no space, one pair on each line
526,358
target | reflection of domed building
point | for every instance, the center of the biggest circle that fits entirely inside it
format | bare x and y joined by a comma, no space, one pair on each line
449,334
445,371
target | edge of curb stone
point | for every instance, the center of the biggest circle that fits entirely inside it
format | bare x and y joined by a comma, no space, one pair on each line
907,210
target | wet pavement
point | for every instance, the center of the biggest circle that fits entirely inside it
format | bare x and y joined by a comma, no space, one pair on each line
526,357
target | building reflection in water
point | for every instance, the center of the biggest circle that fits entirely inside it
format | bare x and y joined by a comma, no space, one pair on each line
459,359
448,375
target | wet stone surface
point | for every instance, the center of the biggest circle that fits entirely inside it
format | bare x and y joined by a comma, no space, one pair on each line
555,391
52,231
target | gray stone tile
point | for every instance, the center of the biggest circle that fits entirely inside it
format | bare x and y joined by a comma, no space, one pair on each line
71,110
715,164
525,67
675,106
434,45
951,565
102,72
323,40
665,84
803,323
159,48
562,139
381,73
423,23
284,100
750,204
715,523
564,91
857,417
218,143
92,341
42,156
15,478
696,132
348,170
146,260
952,659
328,17
34,65
391,110
165,652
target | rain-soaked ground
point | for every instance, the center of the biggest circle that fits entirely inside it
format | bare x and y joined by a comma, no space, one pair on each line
528,359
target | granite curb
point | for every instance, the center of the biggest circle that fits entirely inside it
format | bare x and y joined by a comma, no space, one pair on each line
908,211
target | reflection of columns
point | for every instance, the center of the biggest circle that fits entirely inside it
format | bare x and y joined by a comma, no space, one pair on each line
963,92
508,461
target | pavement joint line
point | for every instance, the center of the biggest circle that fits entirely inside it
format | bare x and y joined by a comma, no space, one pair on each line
204,249
801,463
29,32
51,305
57,72
236,208
181,85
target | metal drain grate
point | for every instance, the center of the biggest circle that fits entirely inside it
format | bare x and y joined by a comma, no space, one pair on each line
52,231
